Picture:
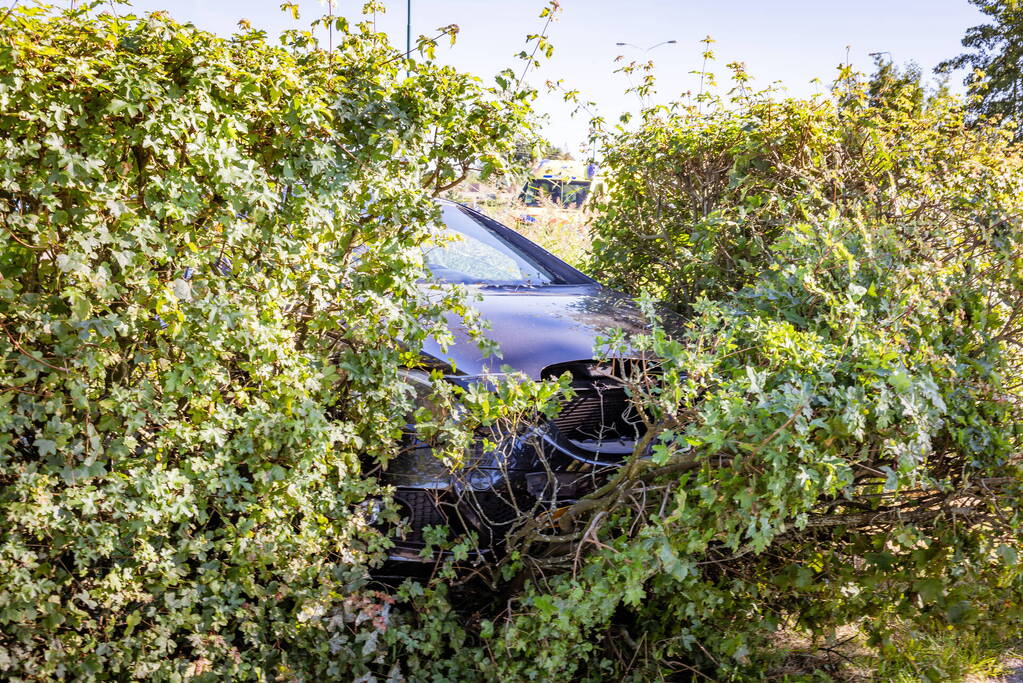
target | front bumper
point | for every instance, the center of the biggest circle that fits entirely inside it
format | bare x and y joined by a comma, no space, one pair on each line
526,475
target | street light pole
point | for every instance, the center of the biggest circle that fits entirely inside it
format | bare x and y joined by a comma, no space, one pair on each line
632,86
408,32
666,42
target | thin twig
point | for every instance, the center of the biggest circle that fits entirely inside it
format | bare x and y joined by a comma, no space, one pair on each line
9,10
540,39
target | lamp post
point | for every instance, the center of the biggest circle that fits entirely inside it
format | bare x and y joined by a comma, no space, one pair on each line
666,42
626,70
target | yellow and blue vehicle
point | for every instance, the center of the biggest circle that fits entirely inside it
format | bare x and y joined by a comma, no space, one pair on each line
567,184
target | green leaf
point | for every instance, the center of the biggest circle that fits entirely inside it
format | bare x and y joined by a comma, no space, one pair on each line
930,589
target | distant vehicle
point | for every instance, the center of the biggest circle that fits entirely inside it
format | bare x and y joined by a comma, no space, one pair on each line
568,184
546,317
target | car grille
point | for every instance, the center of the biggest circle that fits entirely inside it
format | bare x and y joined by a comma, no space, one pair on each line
421,508
600,418
595,413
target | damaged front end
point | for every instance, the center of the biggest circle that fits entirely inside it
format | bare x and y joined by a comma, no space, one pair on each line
515,473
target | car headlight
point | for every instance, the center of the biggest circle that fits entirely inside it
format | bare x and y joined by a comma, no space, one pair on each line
424,385
429,392
422,389
419,381
486,381
443,402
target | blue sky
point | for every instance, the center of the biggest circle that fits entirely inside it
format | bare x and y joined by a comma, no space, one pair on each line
789,41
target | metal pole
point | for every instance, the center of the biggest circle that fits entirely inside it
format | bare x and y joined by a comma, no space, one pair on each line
408,32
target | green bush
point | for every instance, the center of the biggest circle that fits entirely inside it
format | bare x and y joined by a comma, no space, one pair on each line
209,279
701,193
207,283
836,428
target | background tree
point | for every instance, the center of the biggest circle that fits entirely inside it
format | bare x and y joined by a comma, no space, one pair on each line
555,152
893,82
995,60
529,151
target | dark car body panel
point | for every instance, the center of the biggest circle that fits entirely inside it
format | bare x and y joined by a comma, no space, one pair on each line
541,331
536,327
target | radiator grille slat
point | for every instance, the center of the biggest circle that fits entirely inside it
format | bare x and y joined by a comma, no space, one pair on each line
598,413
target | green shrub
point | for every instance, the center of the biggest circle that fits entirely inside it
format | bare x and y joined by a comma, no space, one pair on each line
208,280
835,430
701,193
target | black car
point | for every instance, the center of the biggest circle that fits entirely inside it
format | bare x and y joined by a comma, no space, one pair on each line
545,316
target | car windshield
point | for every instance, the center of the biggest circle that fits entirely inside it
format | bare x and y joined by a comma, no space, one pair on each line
466,251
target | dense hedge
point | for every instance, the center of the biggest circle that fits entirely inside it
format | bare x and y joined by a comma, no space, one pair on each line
208,279
701,196
839,423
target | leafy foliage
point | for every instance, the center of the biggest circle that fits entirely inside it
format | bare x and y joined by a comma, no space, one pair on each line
208,282
835,433
994,60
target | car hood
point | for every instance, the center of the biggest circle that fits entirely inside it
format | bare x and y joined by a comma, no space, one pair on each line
538,326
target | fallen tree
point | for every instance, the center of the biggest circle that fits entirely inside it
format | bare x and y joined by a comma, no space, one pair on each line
834,437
